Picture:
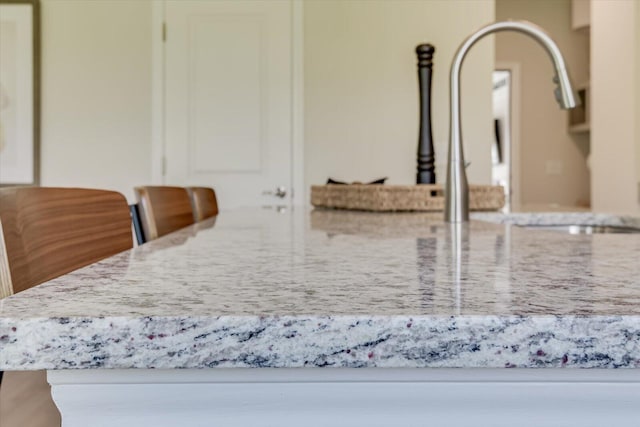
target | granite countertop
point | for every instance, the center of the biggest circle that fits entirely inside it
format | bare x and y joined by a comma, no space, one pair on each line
299,288
559,218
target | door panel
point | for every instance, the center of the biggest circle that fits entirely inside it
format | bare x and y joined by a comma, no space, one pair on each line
228,98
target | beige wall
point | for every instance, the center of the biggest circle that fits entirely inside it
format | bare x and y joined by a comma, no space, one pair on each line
615,48
637,25
361,93
361,89
543,135
96,94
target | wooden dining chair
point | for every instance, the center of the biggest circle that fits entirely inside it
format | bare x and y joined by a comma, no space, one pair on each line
163,210
49,232
45,233
203,202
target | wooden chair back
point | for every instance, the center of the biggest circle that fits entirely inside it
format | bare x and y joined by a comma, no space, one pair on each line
163,210
203,202
49,232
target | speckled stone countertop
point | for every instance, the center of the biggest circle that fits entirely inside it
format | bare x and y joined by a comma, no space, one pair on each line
559,218
265,288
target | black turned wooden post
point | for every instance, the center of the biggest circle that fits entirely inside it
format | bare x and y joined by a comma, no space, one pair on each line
426,157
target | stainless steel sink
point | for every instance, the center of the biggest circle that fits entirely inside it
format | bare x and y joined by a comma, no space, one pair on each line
584,229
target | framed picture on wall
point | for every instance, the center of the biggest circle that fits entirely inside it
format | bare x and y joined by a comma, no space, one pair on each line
19,92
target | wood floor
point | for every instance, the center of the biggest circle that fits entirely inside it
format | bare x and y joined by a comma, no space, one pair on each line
25,401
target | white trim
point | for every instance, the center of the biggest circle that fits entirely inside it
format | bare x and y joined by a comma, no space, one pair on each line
347,397
157,92
319,375
516,136
297,104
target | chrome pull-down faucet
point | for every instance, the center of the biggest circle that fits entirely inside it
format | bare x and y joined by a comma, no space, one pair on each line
457,189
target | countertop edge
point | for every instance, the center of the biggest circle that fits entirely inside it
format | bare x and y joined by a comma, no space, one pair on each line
354,341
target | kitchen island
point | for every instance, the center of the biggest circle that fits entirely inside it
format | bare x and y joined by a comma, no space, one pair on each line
271,317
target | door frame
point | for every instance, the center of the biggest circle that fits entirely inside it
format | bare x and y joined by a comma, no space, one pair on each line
514,101
158,146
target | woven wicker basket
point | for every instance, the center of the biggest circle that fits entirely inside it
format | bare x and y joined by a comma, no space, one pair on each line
391,198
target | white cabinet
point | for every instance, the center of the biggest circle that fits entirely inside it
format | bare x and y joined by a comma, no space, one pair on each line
372,397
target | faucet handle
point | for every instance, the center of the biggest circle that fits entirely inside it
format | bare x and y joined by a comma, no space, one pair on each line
556,92
558,95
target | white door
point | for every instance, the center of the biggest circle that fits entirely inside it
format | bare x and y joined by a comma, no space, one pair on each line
228,99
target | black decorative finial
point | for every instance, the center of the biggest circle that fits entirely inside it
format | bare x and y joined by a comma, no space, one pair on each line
426,157
425,55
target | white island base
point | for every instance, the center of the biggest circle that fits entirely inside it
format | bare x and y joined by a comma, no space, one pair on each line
336,397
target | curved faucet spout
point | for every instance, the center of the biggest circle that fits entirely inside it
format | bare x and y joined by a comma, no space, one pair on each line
457,189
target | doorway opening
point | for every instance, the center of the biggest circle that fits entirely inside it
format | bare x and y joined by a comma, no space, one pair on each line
501,147
505,148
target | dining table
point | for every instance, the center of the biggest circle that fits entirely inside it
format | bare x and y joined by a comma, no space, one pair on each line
290,316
